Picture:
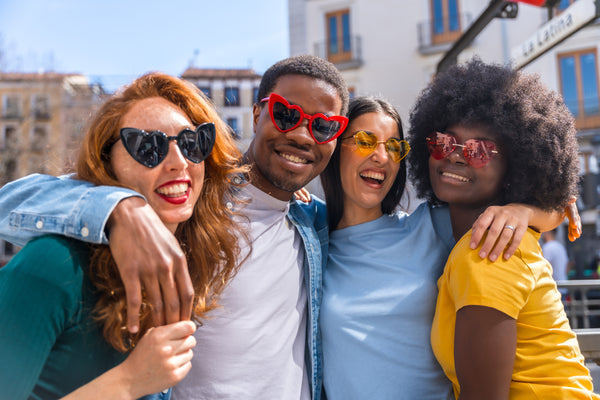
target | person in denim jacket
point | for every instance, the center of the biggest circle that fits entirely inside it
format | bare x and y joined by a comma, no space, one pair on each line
62,302
263,342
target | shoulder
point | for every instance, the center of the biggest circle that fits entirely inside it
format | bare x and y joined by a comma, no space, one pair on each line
52,258
316,210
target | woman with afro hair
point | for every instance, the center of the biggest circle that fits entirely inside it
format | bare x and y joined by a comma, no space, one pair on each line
485,135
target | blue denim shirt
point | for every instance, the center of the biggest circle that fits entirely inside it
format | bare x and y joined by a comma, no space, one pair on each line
41,204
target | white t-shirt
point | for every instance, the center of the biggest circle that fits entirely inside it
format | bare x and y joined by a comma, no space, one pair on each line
253,347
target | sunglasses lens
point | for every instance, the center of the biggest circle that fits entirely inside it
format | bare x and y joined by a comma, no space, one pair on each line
148,149
440,145
285,118
197,145
397,149
479,152
366,142
324,130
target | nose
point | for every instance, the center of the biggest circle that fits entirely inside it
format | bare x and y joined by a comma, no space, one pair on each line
301,134
175,159
380,153
457,156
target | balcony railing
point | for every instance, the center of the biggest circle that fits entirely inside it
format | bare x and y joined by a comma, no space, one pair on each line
343,59
431,42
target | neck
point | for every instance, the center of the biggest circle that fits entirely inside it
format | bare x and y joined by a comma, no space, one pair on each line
463,218
357,215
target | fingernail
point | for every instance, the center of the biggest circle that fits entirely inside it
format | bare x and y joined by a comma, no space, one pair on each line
473,245
482,254
493,257
134,329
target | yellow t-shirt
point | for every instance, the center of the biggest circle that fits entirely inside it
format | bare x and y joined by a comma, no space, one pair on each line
548,362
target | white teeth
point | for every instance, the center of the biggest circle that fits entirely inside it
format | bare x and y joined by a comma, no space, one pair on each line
294,158
454,176
373,175
176,190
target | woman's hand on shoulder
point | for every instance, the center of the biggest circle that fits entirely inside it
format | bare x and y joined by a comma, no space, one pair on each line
303,195
505,227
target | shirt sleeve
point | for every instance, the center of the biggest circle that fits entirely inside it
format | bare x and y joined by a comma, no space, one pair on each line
40,292
504,285
42,204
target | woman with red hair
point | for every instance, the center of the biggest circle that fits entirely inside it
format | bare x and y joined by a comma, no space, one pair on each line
62,302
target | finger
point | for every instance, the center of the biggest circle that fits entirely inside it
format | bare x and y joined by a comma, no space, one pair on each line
480,228
179,360
153,293
184,345
178,330
133,295
170,297
185,290
493,235
517,237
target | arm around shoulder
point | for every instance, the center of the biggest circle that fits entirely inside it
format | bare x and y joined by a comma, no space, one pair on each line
42,204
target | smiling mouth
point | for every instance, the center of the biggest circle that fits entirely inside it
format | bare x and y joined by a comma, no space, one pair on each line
454,176
293,158
176,190
372,176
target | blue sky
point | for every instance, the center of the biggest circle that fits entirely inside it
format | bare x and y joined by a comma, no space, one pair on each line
113,41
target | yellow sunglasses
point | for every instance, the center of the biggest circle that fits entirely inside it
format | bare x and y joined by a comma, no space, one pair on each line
367,142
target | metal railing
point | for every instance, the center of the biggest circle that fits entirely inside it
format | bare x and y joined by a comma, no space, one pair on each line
582,305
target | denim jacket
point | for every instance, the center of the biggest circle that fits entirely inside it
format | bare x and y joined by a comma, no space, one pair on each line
41,204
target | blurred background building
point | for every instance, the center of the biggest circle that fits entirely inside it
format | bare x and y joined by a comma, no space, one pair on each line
42,118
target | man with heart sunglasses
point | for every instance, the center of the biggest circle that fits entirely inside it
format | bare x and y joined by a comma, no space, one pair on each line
264,341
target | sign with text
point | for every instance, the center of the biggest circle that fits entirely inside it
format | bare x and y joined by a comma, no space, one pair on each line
554,31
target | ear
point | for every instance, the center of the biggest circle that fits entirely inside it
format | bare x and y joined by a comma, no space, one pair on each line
256,110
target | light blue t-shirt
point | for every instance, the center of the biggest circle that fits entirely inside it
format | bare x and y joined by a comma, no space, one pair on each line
379,296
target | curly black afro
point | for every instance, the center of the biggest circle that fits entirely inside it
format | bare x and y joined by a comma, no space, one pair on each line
534,128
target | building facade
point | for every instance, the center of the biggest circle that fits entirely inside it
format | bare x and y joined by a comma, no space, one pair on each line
392,48
42,119
233,92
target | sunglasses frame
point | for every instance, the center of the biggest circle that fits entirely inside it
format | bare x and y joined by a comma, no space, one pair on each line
274,98
206,129
366,151
470,160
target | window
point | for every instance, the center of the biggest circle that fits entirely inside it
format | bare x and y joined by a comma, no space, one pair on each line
339,48
579,85
233,124
564,4
351,93
445,21
9,138
205,90
41,106
232,96
39,138
11,106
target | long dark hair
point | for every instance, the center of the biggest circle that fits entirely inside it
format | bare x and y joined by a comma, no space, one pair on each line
330,177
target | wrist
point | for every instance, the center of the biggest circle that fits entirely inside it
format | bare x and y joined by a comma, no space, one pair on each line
122,211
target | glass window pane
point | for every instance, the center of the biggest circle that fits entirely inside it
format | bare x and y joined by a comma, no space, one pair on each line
453,24
569,84
232,97
333,36
346,32
438,17
590,83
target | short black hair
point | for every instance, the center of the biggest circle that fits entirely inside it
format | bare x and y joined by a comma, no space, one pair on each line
330,177
306,65
535,129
